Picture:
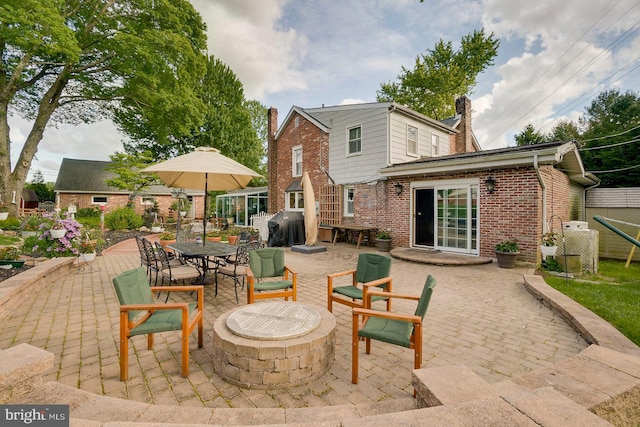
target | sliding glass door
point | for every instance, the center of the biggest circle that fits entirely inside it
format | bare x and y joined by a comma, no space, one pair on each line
456,211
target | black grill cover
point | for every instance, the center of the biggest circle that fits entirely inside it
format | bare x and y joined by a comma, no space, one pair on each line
286,229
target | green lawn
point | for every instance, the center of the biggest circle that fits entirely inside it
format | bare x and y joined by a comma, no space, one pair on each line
613,294
8,240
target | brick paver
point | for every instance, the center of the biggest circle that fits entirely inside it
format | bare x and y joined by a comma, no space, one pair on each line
480,316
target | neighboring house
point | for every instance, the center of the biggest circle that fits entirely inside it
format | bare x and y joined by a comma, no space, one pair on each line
82,183
385,166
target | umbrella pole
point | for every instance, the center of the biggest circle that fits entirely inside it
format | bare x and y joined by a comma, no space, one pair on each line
204,216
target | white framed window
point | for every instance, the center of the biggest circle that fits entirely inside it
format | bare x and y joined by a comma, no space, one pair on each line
349,209
294,201
98,200
435,145
354,140
296,161
147,200
412,140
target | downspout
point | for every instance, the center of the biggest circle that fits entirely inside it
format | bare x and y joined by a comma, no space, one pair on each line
544,193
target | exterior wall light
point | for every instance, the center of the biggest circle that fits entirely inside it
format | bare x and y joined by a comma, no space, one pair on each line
398,187
491,184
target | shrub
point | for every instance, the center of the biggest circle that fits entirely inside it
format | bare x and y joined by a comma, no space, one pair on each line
508,246
123,219
10,223
92,212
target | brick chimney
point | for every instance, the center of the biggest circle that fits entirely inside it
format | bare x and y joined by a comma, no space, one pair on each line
464,140
272,159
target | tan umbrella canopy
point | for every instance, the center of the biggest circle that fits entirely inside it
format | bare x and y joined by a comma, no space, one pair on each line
310,217
203,169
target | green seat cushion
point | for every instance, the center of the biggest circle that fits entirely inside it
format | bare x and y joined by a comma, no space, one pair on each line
163,320
273,286
388,330
354,292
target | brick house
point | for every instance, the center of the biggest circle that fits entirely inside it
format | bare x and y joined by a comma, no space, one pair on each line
383,165
83,183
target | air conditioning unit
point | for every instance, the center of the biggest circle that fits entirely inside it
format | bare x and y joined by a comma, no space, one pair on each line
580,242
576,225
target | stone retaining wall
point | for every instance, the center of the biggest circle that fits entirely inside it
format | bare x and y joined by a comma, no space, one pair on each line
16,289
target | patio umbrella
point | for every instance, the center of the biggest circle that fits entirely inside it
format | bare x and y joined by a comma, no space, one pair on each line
310,218
203,169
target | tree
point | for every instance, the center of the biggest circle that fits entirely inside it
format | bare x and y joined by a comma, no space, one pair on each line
227,123
258,114
610,141
127,167
565,130
529,136
442,75
41,188
65,61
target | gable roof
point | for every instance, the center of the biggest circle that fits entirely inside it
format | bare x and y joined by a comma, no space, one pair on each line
563,154
90,176
313,115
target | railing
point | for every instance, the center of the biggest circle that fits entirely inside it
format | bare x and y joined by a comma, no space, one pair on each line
261,223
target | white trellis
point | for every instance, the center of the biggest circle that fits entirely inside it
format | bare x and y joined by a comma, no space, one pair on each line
260,222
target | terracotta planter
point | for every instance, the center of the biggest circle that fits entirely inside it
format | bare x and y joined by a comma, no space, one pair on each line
215,239
507,259
164,244
232,239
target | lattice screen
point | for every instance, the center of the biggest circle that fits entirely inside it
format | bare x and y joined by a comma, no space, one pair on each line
330,204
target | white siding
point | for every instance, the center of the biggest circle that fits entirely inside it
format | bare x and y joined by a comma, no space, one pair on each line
613,197
365,166
399,139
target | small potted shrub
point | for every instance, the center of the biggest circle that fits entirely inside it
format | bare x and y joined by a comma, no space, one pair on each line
11,256
87,251
507,253
166,238
214,236
383,241
549,244
232,235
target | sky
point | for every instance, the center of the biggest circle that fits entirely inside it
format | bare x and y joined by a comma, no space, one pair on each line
554,59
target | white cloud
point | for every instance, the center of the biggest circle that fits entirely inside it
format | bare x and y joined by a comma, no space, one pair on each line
564,55
246,35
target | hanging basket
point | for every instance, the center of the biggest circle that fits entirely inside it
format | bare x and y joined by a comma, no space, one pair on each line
58,234
548,250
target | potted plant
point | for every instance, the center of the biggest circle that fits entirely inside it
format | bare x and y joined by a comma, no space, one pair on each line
11,256
549,244
31,225
214,236
156,226
4,212
507,253
166,238
232,235
58,229
87,251
383,241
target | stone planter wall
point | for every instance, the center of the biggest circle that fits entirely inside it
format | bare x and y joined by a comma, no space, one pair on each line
21,287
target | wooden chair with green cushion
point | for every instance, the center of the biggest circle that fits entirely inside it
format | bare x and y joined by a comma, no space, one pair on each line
372,270
140,315
394,328
269,277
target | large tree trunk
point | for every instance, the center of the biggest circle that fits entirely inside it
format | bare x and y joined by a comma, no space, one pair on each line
12,182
